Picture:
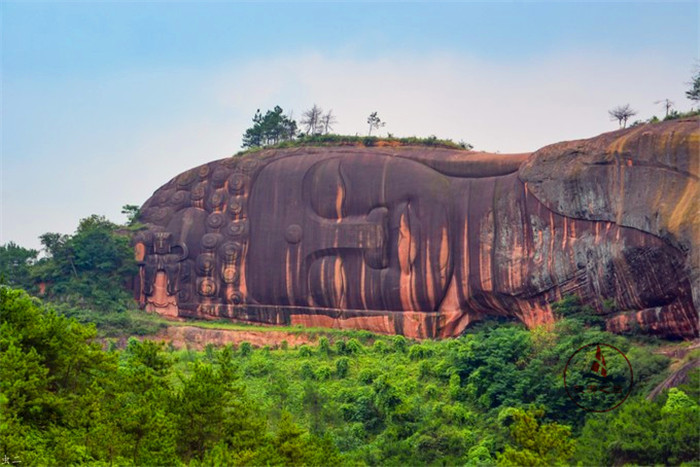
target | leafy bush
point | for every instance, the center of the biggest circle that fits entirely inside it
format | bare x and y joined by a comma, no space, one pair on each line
353,347
380,346
307,371
400,343
305,350
418,352
323,373
643,432
15,266
324,346
245,349
342,366
571,307
534,442
88,269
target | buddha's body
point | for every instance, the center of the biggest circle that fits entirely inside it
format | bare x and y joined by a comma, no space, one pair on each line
407,240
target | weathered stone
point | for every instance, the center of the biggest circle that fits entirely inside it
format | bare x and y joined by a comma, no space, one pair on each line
646,178
424,241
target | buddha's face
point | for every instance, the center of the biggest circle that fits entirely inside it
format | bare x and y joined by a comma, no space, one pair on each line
365,232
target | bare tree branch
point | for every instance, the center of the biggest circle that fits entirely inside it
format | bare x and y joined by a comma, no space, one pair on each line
311,119
328,120
622,113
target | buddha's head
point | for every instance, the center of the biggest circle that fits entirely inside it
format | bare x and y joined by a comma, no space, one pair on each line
349,231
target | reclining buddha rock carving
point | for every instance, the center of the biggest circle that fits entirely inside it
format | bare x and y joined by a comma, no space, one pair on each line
423,241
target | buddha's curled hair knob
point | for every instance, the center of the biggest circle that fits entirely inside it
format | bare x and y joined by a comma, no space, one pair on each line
207,287
236,298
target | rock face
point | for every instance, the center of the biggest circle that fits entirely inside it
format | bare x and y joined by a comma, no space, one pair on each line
646,178
424,241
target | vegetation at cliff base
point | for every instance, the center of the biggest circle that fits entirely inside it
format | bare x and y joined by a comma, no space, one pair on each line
492,396
65,401
84,275
87,269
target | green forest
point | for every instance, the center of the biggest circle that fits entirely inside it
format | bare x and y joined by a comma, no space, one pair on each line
494,396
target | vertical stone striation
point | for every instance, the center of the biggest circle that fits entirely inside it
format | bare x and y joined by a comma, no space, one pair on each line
424,241
646,178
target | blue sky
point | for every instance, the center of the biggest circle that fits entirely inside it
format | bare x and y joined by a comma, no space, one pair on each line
102,102
71,39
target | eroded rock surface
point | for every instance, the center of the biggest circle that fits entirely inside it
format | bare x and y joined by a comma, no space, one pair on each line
423,241
646,178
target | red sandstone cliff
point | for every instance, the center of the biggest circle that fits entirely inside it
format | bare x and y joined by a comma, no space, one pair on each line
424,241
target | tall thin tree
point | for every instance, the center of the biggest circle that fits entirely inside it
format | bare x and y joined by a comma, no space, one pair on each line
311,119
668,105
374,122
327,121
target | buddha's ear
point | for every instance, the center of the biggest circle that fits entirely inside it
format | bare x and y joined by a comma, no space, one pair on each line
465,164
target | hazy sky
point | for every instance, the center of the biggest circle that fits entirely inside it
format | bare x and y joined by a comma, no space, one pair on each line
103,102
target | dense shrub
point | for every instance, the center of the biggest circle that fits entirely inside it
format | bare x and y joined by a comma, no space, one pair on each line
493,395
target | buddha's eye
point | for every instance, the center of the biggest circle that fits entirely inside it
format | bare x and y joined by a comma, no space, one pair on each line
326,189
